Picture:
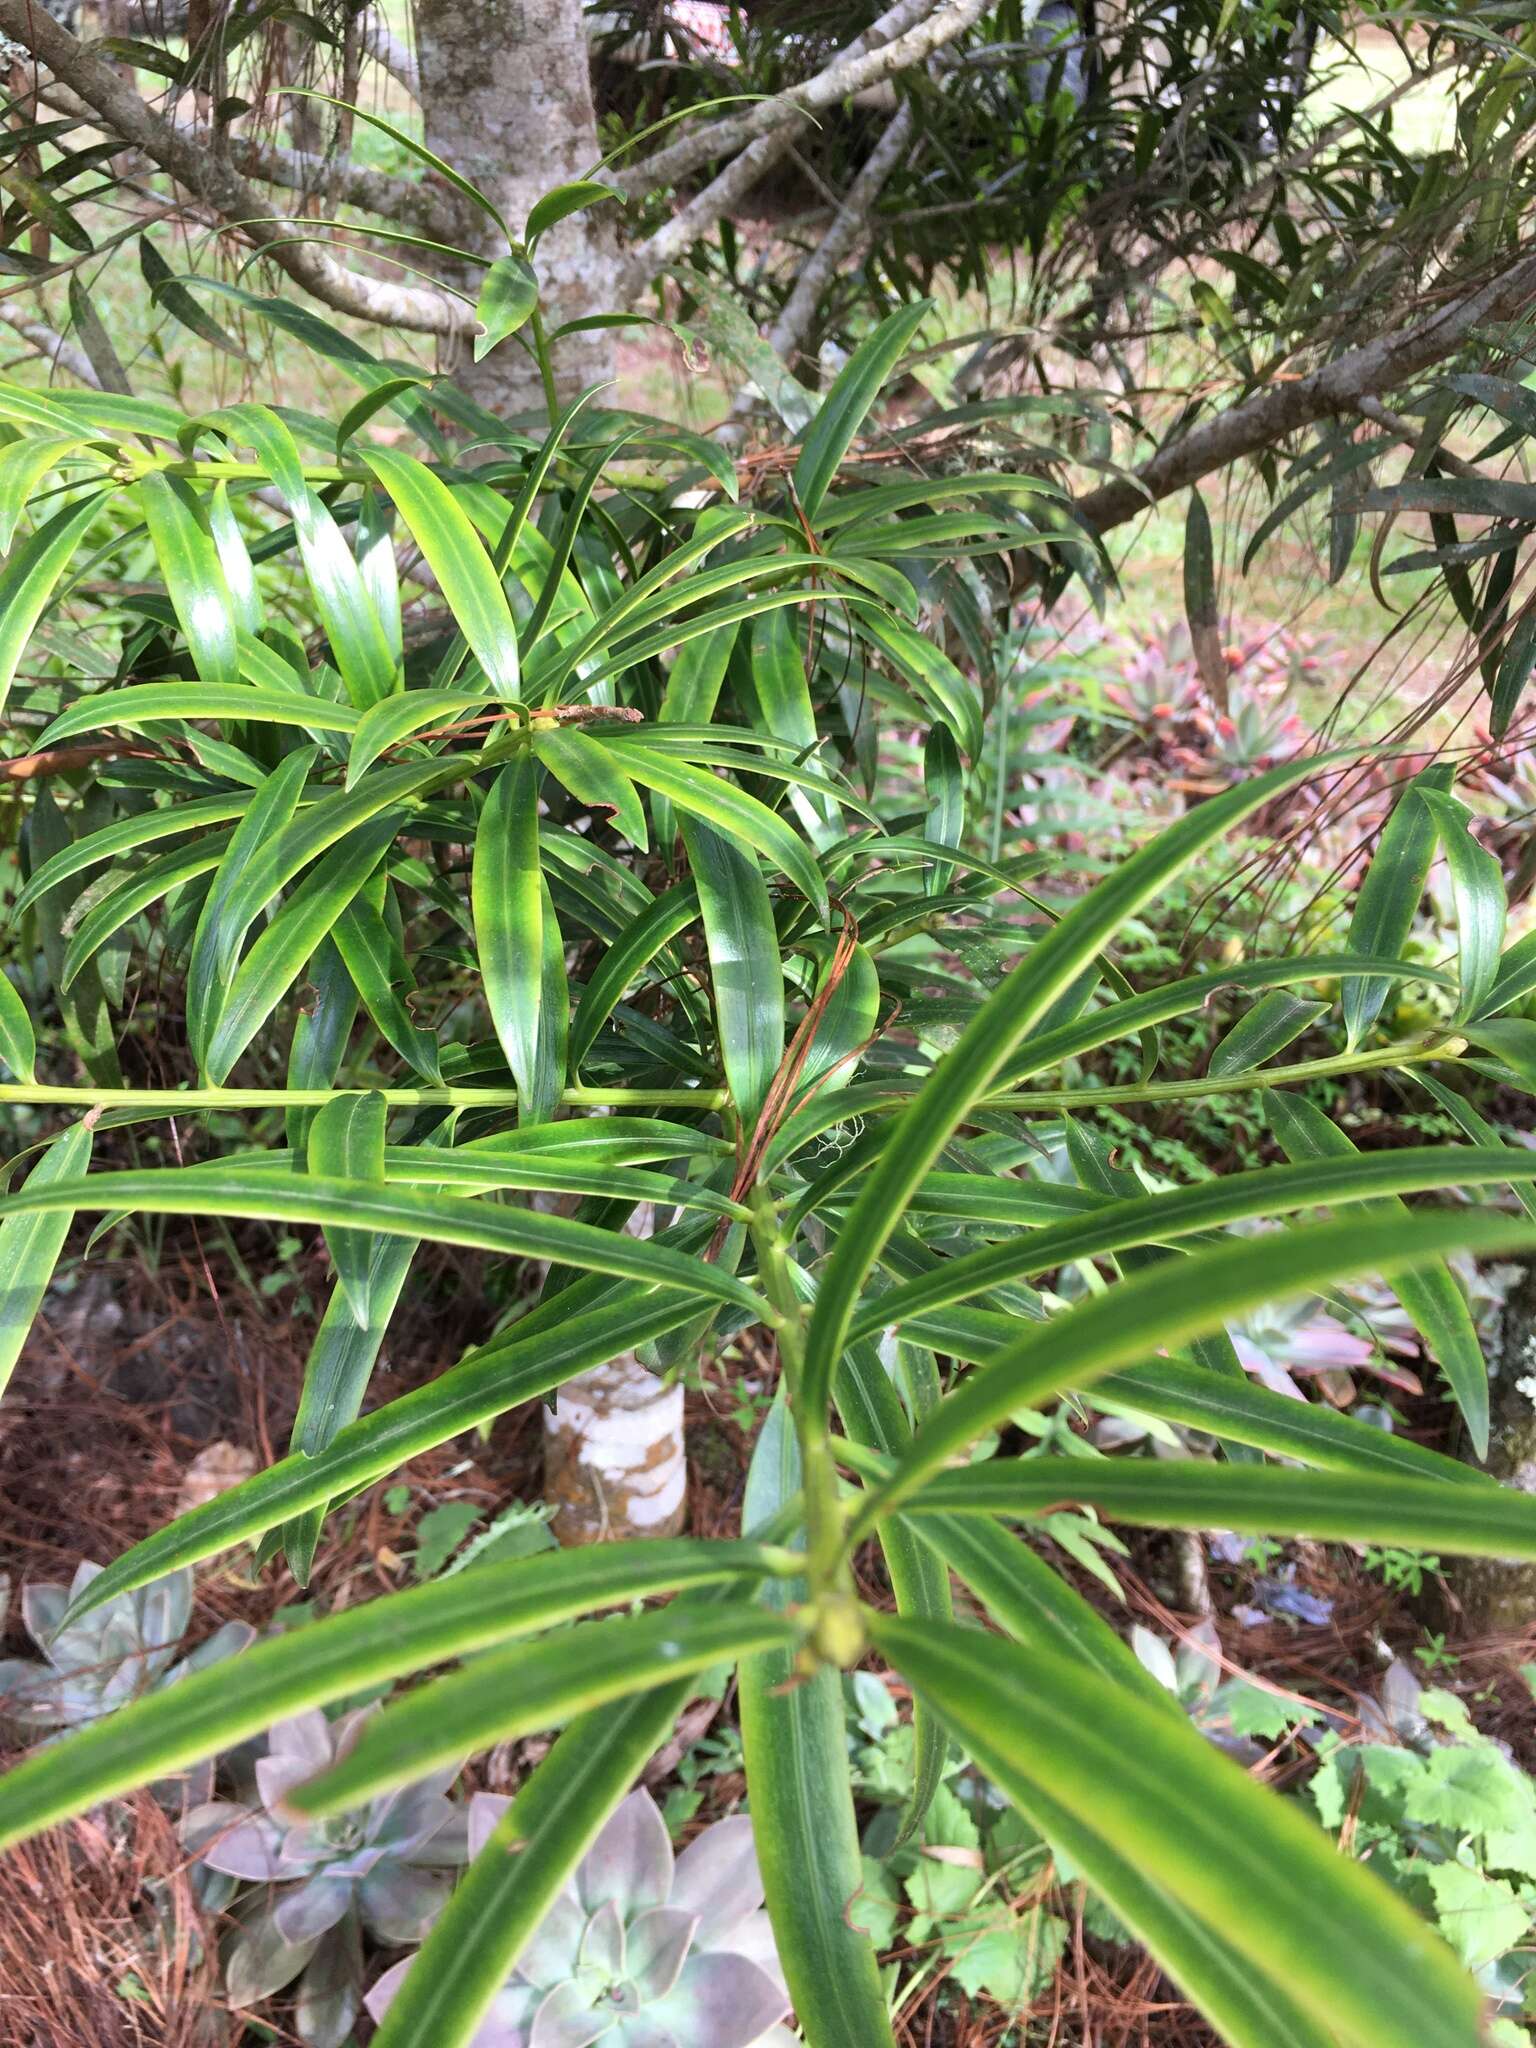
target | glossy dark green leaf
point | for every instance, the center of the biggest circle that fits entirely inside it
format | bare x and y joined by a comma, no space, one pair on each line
593,777
847,405
457,557
746,972
509,292
346,1142
31,576
1059,1739
167,290
18,1043
562,202
1477,882
30,1245
1389,896
509,899
795,1738
194,575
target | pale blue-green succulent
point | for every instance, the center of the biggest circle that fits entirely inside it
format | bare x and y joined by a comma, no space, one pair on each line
382,1869
640,1950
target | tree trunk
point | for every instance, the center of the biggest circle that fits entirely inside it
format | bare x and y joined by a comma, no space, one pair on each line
506,98
1497,1596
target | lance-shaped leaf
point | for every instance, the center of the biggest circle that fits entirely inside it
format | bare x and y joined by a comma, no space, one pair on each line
352,624
194,575
388,1638
1257,1500
1273,1023
220,930
508,294
1389,896
635,947
398,1211
509,1693
22,468
500,1904
730,811
745,968
794,1734
30,577
846,406
141,704
486,1384
965,1074
18,1044
1477,881
278,955
30,1245
1174,1301
456,555
593,777
1322,1172
1431,1295
1233,1857
511,907
346,1142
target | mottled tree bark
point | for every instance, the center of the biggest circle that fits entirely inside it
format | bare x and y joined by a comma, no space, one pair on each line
506,98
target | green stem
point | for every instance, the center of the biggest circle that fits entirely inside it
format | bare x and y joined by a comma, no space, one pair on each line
540,341
827,1570
171,1100
1226,1084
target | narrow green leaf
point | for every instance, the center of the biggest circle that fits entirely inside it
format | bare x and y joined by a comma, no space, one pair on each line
1315,1178
939,686
194,575
22,468
28,580
593,777
1061,1741
1258,1500
222,926
18,1044
280,951
1389,896
517,1692
1431,1295
1169,1303
508,294
30,1245
457,558
730,811
1516,661
371,949
794,1733
166,289
387,1638
965,1074
396,1210
508,898
361,647
1274,1022
487,1383
631,952
346,1142
846,406
745,968
1477,882
503,1899
140,704
563,201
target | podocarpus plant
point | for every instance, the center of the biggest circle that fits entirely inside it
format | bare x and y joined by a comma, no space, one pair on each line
586,839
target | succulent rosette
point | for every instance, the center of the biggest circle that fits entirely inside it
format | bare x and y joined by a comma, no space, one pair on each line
641,1949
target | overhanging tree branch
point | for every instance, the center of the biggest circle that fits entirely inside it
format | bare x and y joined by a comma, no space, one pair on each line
214,180
1339,386
905,34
